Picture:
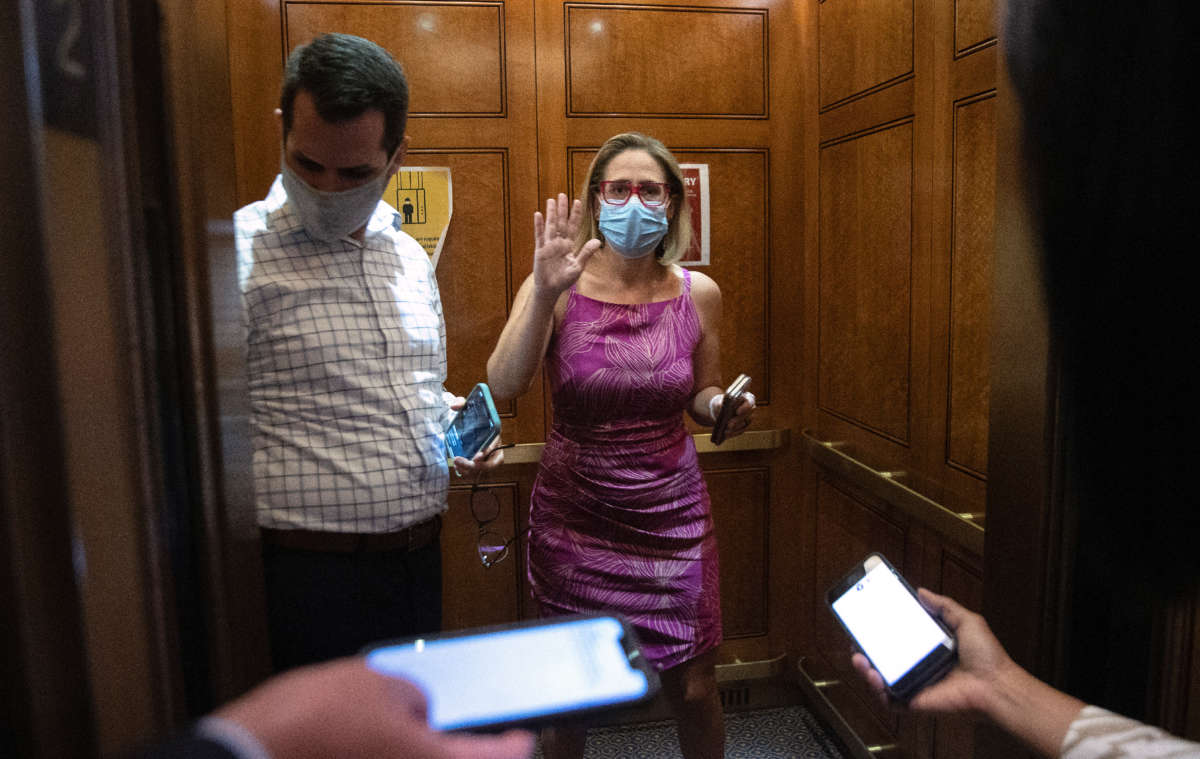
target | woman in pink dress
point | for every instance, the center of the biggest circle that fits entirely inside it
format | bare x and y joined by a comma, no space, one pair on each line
619,515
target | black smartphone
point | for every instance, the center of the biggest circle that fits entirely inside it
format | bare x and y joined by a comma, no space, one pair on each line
907,645
729,406
475,425
522,674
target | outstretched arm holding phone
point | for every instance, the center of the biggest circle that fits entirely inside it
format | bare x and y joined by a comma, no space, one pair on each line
338,708
989,683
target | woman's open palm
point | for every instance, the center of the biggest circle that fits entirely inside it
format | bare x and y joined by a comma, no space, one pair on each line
556,263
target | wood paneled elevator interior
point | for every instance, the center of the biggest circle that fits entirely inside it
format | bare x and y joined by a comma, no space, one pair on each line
866,230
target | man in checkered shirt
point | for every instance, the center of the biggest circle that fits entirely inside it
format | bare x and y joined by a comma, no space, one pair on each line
346,356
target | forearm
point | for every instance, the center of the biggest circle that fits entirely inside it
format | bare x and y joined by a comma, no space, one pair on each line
1031,710
522,344
700,408
706,360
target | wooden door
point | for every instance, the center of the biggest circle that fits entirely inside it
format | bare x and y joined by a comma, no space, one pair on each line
515,97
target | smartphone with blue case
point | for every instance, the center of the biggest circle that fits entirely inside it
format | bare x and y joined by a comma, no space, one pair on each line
475,425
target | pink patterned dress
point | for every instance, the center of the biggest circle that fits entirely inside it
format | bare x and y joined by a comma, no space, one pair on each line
619,516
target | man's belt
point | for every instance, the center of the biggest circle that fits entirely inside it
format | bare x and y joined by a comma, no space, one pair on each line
408,539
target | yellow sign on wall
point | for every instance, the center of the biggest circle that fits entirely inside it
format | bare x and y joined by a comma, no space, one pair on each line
424,197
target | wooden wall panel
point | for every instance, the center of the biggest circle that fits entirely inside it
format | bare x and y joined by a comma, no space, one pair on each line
902,279
473,594
847,530
453,54
962,579
473,270
632,61
894,103
865,289
864,45
974,222
945,102
739,506
974,23
256,55
741,211
964,182
954,735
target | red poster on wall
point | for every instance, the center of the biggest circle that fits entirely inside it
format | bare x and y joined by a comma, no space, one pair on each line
695,183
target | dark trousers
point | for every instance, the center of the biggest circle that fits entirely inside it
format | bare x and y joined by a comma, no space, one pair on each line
322,605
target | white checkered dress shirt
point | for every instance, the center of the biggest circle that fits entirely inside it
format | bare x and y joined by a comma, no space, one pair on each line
346,359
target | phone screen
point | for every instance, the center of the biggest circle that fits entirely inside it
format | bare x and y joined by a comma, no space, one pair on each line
475,425
517,673
889,623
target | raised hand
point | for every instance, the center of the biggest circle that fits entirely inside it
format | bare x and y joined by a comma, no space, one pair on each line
556,262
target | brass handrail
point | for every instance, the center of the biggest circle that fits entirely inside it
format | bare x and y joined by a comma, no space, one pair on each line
814,692
751,440
962,529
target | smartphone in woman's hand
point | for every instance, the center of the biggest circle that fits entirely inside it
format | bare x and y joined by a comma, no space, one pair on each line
729,406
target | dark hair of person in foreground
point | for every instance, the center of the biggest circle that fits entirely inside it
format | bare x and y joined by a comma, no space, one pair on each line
1107,130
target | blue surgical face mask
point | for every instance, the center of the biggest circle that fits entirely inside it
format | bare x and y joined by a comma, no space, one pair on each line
633,230
329,216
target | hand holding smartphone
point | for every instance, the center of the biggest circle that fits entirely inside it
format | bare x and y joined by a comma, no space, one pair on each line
908,646
475,425
525,673
729,406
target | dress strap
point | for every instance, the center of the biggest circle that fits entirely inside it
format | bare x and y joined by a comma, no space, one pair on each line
687,280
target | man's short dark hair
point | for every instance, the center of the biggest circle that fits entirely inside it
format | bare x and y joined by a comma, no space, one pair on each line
346,76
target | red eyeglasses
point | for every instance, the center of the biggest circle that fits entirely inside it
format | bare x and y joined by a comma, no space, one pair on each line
617,192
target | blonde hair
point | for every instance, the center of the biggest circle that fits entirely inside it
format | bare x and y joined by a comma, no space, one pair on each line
679,227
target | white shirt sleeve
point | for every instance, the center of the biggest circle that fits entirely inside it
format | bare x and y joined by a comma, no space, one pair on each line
1100,734
240,741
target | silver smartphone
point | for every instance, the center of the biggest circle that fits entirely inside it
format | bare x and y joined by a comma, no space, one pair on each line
729,407
908,646
527,673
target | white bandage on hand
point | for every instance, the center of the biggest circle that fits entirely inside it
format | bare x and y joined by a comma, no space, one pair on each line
714,405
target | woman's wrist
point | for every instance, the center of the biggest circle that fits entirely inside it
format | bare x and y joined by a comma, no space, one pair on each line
714,403
547,295
1001,696
1028,708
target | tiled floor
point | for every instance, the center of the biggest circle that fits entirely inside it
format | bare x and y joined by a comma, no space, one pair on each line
785,732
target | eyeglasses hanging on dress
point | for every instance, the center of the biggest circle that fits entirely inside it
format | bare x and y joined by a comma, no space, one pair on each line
493,547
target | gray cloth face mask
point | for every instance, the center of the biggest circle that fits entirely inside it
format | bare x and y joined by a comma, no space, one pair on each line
330,216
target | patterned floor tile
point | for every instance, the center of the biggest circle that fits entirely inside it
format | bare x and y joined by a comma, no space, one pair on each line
789,732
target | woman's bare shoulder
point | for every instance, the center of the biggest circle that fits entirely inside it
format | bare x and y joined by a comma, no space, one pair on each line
705,291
